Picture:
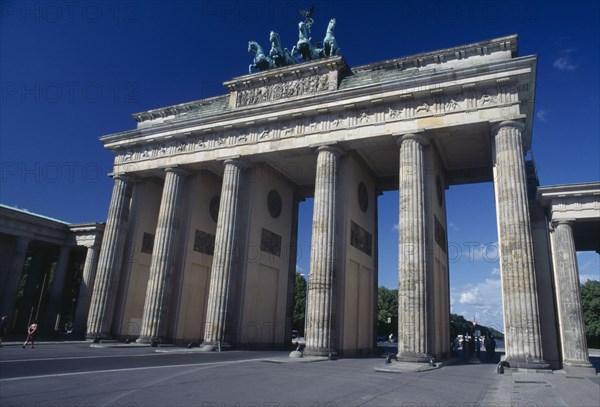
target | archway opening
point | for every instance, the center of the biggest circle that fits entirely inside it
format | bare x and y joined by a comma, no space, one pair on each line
387,273
303,246
474,270
588,264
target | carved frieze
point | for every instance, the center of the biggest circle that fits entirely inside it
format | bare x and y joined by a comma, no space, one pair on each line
407,108
147,243
440,235
204,242
576,204
360,238
294,88
270,242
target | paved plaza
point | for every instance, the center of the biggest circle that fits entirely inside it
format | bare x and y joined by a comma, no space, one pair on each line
75,374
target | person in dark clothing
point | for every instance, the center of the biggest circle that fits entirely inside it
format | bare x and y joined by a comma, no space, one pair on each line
3,328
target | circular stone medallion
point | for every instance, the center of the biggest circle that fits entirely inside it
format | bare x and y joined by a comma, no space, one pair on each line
363,197
440,192
214,208
274,203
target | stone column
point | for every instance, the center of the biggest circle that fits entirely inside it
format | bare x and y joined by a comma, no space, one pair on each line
35,286
85,289
109,264
412,242
320,329
568,295
154,320
225,255
57,288
15,272
519,292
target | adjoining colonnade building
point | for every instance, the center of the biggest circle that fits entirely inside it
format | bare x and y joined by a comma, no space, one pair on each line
200,239
47,269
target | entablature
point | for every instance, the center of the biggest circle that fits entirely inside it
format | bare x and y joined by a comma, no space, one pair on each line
575,202
437,100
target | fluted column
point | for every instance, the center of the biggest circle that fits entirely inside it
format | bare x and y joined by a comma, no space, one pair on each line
320,319
109,264
568,295
11,289
412,263
85,288
154,320
225,257
57,288
519,292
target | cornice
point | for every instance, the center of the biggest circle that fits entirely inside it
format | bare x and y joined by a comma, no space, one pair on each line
486,47
422,83
548,194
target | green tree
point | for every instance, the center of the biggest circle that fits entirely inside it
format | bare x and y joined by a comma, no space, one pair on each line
590,302
299,304
387,307
459,326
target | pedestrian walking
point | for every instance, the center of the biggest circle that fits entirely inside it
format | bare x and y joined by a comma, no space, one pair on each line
3,328
30,334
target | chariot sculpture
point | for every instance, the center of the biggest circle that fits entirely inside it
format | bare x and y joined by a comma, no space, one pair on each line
304,48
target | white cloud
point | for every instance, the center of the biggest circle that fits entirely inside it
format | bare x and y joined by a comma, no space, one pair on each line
482,301
542,115
452,226
589,266
495,271
396,226
564,61
583,278
470,297
487,252
473,251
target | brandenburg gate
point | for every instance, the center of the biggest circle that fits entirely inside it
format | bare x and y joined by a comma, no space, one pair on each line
200,240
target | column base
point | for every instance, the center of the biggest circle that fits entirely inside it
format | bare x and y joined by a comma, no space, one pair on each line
328,352
153,341
523,362
211,346
413,357
98,336
579,369
577,363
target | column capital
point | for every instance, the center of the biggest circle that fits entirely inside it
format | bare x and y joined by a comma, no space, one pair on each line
23,239
236,161
419,137
121,176
565,222
332,148
507,123
177,170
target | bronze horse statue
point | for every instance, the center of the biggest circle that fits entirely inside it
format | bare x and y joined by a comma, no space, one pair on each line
304,46
330,47
281,57
261,61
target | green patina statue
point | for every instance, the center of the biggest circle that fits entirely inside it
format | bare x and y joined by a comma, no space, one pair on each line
279,57
261,61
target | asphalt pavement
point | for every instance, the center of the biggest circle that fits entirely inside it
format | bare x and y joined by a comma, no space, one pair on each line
76,374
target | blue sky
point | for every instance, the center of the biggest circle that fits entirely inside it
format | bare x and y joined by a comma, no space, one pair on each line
74,71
